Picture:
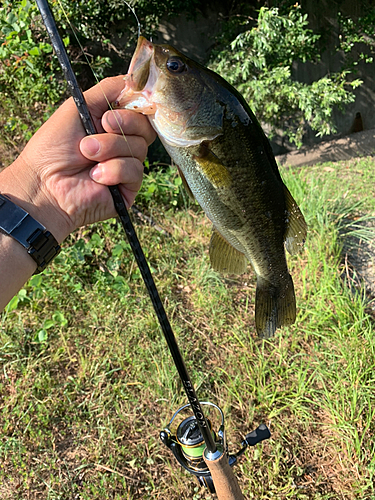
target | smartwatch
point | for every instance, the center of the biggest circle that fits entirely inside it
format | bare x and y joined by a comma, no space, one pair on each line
39,243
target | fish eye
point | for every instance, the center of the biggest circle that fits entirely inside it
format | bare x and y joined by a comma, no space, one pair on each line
175,65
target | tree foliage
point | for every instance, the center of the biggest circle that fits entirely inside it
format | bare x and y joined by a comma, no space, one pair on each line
114,21
356,38
31,83
256,56
259,63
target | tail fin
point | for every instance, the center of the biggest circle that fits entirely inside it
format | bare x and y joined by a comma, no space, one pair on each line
275,306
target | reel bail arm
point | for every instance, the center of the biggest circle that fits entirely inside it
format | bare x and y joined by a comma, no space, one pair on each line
212,469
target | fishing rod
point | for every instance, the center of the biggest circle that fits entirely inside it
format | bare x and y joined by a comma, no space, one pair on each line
196,446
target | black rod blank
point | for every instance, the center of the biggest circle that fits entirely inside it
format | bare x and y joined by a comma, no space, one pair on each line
165,325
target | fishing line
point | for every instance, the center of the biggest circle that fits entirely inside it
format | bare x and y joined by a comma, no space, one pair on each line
196,446
135,15
93,71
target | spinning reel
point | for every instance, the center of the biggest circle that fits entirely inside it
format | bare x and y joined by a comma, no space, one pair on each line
187,444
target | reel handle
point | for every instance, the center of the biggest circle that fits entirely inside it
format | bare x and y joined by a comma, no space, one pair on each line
225,481
260,434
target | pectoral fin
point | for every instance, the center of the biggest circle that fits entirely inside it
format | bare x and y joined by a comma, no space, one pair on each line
224,257
296,232
213,169
185,184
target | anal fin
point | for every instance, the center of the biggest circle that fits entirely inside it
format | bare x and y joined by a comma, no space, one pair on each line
224,257
295,235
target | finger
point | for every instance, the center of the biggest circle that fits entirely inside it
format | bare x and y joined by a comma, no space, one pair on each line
125,171
128,195
102,147
124,121
105,92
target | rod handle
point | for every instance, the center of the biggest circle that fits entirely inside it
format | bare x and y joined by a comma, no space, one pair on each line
225,481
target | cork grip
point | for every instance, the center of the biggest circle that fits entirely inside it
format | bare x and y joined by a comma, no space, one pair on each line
225,482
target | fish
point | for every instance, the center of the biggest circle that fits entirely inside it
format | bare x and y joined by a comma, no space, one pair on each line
226,163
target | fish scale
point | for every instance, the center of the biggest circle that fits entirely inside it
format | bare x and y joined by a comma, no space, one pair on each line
227,165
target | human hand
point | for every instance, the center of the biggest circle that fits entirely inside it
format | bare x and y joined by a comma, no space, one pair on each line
61,177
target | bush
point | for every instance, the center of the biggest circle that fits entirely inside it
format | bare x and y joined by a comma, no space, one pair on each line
162,186
258,61
30,84
259,64
356,38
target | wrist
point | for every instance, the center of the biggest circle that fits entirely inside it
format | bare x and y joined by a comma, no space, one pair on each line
23,187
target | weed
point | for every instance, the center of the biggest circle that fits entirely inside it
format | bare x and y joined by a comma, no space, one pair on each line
87,382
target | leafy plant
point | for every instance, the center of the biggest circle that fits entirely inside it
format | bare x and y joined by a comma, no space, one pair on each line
113,19
162,187
30,84
260,62
58,320
356,38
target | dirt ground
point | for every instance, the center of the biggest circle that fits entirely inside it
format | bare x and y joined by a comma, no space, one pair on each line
343,148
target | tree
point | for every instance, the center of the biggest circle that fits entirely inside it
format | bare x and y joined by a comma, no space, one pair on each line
259,64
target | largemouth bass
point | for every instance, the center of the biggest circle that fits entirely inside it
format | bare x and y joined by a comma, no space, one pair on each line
227,165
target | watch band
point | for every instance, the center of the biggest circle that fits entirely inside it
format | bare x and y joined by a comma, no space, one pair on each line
39,243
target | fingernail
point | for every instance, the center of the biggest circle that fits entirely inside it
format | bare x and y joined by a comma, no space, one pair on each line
96,172
114,119
90,146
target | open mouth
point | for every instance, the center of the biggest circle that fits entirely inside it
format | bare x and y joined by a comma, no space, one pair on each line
139,68
139,80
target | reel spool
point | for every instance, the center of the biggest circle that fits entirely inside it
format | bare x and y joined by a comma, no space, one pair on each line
187,444
190,439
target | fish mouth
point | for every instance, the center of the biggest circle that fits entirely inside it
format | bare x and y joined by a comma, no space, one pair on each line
139,71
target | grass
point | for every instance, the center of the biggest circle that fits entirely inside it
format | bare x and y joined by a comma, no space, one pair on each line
87,383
